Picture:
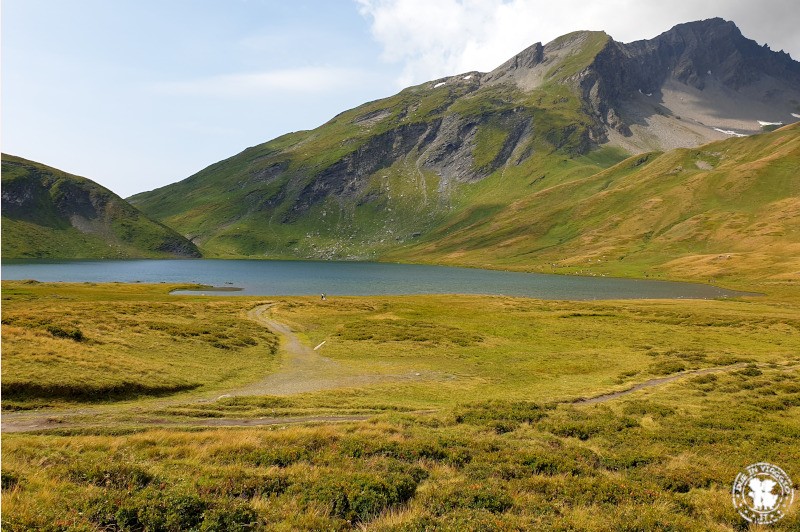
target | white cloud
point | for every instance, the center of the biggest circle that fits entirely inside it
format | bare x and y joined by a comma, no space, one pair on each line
431,39
302,79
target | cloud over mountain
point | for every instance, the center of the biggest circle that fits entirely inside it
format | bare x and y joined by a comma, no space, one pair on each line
434,39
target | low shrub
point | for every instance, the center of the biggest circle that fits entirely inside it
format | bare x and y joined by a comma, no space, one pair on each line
119,476
666,367
245,486
359,497
148,509
491,412
582,424
231,516
74,334
649,408
9,479
467,496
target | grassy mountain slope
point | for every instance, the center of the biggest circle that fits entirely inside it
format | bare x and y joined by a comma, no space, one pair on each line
516,168
48,213
724,209
383,173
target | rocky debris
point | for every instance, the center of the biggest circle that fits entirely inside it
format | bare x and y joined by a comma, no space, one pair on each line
369,119
450,154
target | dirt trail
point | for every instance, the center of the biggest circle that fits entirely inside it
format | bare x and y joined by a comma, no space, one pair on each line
51,423
653,382
305,370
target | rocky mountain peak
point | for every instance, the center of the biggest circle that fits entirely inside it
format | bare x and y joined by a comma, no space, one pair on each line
376,175
528,58
687,52
697,82
557,60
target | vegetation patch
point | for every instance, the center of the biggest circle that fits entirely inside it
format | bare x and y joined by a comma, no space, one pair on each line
401,330
483,438
103,342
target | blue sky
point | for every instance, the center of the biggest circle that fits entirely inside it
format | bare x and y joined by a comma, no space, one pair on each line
137,94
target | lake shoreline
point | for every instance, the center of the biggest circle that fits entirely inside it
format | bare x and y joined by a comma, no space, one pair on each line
303,278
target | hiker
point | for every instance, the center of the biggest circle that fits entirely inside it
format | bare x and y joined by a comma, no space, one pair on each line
323,297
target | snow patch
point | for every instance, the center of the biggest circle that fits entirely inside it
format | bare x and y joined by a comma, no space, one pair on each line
729,132
439,84
795,115
470,76
762,123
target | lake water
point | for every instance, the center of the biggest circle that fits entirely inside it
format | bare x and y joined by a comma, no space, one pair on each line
271,278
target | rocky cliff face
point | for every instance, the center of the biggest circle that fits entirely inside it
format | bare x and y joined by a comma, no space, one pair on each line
688,52
48,213
707,73
372,176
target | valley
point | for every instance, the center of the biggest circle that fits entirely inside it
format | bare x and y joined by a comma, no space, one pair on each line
144,398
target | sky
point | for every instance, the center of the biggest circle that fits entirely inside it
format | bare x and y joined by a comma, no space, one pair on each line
137,94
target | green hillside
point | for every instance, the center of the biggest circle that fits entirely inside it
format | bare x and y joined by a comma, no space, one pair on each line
47,213
507,169
725,209
386,172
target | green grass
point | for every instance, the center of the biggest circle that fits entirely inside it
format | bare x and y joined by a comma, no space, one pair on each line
489,142
591,43
486,439
90,343
656,215
663,460
518,349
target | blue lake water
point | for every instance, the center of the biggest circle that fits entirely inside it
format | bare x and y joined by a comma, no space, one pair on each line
270,278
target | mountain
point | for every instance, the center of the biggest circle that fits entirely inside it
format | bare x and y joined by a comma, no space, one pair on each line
47,213
692,84
397,178
727,209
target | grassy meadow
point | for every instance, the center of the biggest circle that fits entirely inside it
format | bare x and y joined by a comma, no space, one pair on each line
474,426
67,343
